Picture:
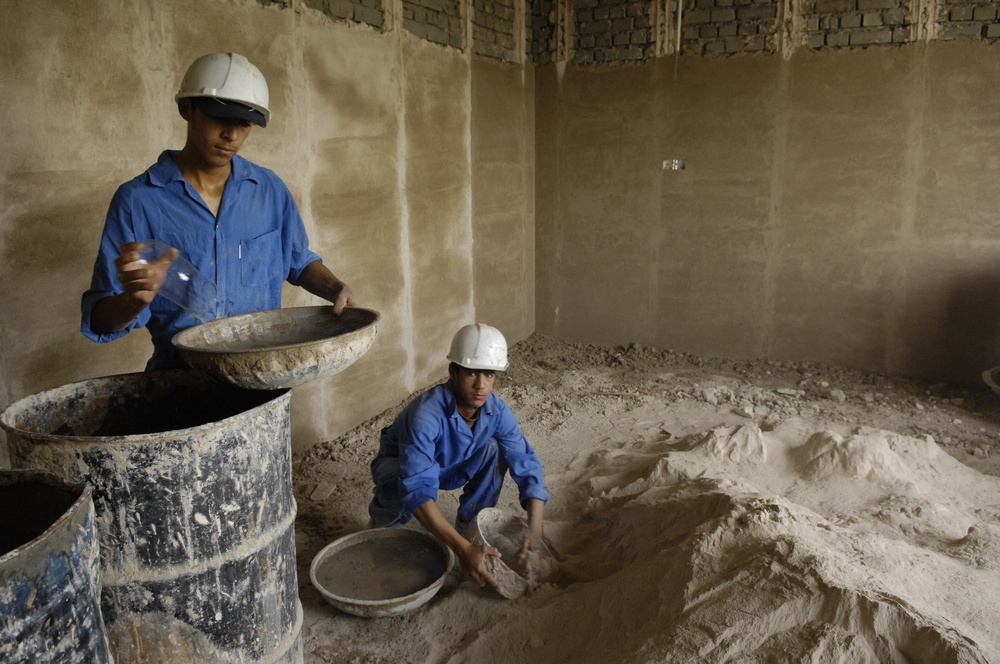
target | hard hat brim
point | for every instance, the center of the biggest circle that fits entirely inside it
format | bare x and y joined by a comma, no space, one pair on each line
226,109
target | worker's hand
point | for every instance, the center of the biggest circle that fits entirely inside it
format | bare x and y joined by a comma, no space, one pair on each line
473,561
533,537
140,279
532,542
344,298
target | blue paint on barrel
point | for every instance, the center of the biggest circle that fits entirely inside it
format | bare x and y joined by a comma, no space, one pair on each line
193,494
49,572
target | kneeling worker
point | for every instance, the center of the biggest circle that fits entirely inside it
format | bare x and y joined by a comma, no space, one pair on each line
459,435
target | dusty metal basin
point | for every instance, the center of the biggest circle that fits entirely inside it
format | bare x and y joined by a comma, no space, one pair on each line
382,572
493,528
280,348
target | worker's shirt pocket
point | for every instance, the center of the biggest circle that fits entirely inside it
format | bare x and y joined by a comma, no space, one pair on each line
260,263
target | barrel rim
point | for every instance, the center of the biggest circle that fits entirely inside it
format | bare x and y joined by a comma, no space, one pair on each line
8,414
86,495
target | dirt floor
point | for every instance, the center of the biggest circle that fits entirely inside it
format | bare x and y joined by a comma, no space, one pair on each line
706,510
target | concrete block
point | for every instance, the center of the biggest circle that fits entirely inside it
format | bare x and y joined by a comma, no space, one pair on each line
850,21
896,17
987,13
872,19
594,27
869,5
868,37
834,6
757,12
963,13
838,39
697,17
954,30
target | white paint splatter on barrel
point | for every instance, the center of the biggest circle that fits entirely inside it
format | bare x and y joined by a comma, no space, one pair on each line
50,586
193,493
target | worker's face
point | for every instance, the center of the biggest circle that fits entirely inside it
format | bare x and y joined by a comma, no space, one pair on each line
472,386
216,141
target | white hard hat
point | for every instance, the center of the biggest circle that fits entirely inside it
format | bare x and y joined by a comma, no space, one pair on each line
228,77
479,346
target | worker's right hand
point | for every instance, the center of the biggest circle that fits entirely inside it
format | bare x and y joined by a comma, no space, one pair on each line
473,561
140,279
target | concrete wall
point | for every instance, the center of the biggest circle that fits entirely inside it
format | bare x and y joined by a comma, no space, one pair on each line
835,206
385,139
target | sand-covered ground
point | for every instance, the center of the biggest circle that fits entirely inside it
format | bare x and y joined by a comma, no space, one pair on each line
706,510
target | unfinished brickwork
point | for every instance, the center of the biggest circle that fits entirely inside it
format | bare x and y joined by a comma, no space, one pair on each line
540,28
730,26
840,23
369,12
493,29
967,18
438,21
612,30
606,31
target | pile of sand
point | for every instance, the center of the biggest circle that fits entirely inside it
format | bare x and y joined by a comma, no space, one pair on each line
721,513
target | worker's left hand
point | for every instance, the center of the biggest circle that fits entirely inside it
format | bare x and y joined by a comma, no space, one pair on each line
344,298
532,542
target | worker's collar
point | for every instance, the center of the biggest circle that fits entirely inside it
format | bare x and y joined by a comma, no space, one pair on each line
165,171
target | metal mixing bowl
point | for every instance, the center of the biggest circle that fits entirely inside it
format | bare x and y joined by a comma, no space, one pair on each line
382,572
280,348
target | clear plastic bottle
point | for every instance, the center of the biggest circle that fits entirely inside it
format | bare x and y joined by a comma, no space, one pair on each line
184,284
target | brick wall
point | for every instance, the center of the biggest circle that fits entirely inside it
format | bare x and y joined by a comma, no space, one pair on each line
493,29
730,26
604,31
612,30
438,21
369,12
839,23
965,18
541,29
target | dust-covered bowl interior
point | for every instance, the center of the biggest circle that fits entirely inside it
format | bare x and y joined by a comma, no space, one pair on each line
381,572
279,348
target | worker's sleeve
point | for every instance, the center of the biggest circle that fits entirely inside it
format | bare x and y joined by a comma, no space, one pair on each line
118,230
525,466
294,234
419,470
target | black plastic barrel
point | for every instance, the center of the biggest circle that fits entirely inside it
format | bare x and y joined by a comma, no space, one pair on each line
50,587
193,495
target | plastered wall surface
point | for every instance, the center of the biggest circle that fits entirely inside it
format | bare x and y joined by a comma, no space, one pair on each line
503,195
834,206
372,131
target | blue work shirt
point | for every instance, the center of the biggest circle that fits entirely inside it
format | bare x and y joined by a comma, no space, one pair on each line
432,441
256,243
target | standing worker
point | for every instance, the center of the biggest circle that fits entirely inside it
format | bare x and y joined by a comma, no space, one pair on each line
236,222
459,435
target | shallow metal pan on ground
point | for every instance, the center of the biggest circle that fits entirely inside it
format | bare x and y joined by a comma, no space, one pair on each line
280,348
382,572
